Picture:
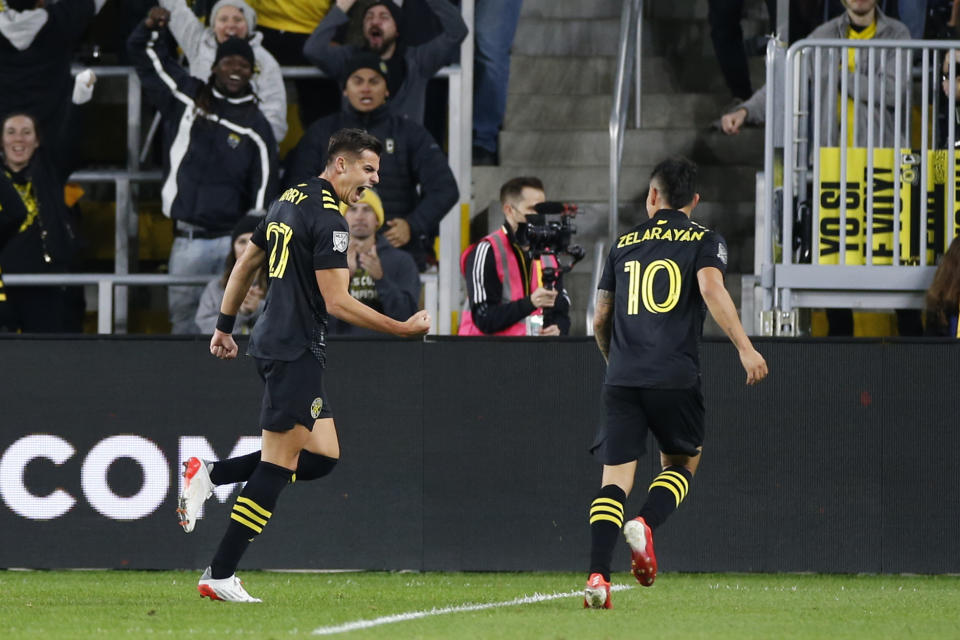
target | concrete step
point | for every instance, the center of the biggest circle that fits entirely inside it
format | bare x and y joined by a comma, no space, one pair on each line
601,36
672,10
592,148
658,111
724,183
571,9
567,37
595,75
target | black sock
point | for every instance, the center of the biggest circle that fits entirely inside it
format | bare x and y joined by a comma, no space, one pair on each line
250,514
312,466
237,469
667,491
606,520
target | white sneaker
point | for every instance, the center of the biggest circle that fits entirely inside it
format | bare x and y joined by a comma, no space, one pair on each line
226,589
197,487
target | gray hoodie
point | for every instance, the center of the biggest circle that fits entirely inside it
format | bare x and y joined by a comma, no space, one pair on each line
200,47
887,29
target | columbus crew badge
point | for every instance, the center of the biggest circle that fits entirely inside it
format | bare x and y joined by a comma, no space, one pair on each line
316,407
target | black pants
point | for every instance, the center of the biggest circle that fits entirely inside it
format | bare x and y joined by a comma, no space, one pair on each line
45,309
727,35
317,97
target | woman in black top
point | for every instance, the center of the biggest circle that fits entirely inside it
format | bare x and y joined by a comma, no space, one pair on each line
33,174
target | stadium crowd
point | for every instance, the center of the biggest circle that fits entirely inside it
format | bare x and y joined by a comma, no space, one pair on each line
260,139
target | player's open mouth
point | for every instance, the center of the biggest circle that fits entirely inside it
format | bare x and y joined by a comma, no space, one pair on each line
360,192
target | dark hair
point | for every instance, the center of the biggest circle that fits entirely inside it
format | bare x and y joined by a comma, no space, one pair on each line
246,224
676,179
21,5
352,141
943,297
513,188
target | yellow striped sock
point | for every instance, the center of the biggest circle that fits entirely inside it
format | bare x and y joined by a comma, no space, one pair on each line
250,514
674,482
607,509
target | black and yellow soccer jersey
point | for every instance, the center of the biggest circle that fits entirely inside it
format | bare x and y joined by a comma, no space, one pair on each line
302,232
658,310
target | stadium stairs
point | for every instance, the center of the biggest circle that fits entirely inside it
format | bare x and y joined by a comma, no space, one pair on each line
561,86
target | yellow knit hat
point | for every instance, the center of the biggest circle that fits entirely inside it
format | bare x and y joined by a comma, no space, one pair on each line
371,198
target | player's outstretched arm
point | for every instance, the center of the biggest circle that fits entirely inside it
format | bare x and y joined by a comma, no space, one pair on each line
334,287
222,344
724,312
603,321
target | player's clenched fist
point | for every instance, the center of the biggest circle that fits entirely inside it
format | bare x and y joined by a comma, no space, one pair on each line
223,346
417,325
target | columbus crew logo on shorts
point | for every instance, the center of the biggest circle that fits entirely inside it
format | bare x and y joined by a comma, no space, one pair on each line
316,407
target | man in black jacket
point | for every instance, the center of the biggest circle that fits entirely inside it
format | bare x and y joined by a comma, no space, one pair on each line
411,158
407,68
221,159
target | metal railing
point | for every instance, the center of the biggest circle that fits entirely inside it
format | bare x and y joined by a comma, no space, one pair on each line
108,284
441,290
599,258
628,59
856,228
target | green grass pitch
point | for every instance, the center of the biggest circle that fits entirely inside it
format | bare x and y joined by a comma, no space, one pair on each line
135,604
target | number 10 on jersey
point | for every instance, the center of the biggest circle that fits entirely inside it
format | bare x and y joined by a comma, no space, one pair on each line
640,286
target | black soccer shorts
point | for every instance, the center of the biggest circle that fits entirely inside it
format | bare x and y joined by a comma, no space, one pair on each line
674,416
293,393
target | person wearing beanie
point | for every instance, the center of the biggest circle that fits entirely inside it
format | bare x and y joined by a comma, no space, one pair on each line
408,67
381,277
222,156
212,296
417,185
231,19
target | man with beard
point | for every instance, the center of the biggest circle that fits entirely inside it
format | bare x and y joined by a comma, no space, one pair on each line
221,161
381,277
418,187
407,68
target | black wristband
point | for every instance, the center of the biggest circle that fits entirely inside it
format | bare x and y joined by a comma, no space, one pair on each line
225,322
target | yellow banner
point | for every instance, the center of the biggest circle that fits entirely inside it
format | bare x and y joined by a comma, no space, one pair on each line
884,207
885,225
938,217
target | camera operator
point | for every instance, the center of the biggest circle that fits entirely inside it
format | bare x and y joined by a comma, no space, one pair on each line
505,291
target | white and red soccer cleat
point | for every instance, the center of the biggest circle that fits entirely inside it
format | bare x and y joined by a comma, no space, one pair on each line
596,595
197,487
643,561
225,589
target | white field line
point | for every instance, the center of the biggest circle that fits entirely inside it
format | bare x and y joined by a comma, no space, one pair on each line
356,625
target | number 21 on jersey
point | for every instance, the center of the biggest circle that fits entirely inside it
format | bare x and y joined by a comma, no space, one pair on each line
640,287
278,239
